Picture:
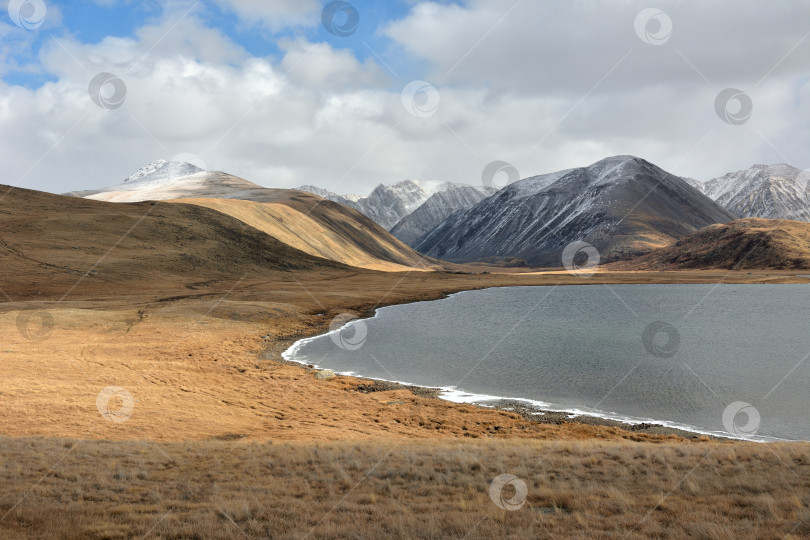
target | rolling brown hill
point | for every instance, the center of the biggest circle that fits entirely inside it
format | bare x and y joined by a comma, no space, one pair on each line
322,228
53,239
745,244
302,220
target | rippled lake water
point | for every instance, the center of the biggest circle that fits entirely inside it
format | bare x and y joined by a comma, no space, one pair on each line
712,358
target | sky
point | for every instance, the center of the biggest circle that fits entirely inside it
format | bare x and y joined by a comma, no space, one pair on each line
347,95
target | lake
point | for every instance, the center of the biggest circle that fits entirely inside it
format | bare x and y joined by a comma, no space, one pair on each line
714,358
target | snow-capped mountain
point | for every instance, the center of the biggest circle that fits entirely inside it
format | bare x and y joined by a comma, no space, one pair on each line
162,171
623,206
163,180
450,198
147,170
386,205
767,191
156,181
299,220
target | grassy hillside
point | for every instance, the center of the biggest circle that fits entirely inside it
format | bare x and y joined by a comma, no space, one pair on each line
746,244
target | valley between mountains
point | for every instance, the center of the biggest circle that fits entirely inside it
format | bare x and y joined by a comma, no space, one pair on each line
184,286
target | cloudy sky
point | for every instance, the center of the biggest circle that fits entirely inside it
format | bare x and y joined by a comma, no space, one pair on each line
348,95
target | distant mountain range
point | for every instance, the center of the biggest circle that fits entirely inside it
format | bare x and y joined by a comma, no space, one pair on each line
623,206
388,205
437,208
766,191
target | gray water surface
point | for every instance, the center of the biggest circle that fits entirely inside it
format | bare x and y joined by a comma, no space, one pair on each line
582,348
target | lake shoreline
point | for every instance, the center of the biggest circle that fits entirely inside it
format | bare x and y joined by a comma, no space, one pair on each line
536,409
519,406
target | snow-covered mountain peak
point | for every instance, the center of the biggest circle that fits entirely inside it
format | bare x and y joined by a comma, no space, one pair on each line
147,170
769,191
604,171
162,171
621,205
386,205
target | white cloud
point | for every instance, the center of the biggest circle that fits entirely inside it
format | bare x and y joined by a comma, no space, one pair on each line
527,93
274,14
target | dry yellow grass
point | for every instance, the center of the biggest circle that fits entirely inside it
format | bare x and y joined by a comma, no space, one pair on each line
401,490
297,228
751,243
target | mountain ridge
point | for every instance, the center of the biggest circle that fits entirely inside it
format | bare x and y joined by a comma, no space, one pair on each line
622,205
436,209
777,191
